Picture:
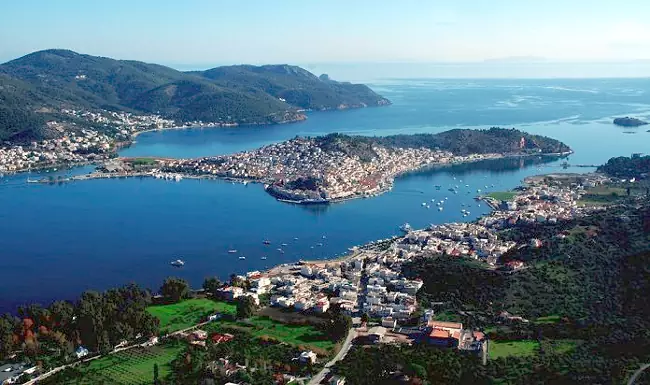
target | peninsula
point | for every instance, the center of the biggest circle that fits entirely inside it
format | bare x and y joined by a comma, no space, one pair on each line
36,90
338,167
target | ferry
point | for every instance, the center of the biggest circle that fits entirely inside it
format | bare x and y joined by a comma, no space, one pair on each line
178,263
406,227
232,251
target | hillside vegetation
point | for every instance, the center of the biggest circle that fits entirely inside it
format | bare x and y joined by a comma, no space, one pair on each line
458,141
34,85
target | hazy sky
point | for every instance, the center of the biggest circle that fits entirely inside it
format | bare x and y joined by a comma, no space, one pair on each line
208,32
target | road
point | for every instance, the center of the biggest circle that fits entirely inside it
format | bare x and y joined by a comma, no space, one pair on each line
637,374
352,334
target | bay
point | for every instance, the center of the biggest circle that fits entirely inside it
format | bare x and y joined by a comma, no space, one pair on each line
58,240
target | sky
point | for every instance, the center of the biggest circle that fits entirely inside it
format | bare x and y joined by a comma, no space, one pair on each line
196,34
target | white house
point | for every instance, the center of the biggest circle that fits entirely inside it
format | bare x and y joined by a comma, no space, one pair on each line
389,322
81,352
308,357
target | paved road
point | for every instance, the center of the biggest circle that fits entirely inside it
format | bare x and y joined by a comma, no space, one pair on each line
637,374
344,350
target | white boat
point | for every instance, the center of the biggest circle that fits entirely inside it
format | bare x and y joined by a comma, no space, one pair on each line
263,258
439,208
178,263
424,204
406,227
242,257
283,244
232,251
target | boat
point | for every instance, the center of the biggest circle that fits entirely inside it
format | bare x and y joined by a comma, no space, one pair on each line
440,208
324,237
232,251
242,257
178,263
283,244
267,242
319,244
263,258
424,204
452,189
281,251
406,227
438,187
295,238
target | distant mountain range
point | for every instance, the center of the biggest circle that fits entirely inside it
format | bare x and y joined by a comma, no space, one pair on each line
35,87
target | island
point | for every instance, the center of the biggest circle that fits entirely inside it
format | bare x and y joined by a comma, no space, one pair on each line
629,122
338,167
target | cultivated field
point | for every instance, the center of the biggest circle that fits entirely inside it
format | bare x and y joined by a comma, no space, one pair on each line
187,313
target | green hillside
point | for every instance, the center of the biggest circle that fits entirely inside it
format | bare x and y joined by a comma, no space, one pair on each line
45,81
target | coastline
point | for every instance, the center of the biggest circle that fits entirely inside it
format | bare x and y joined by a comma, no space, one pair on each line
388,182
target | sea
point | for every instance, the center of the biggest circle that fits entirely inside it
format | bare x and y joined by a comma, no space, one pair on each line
58,240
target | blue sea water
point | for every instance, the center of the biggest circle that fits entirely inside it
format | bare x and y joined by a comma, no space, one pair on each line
58,240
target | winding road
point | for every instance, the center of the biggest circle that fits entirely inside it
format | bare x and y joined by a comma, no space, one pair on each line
344,350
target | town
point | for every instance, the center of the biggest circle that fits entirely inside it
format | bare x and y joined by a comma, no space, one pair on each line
369,285
96,138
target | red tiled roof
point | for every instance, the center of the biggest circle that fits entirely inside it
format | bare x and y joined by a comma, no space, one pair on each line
439,333
479,336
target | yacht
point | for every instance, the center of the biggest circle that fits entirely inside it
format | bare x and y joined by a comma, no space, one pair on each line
319,244
263,258
242,257
267,242
178,263
232,251
440,208
406,227
281,251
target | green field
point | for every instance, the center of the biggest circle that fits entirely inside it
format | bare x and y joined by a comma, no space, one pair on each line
187,313
502,195
297,335
602,196
549,319
563,346
130,367
500,349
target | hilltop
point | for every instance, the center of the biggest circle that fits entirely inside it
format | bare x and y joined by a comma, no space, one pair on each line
458,141
35,87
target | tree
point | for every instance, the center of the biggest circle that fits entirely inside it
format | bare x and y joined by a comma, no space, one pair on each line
175,289
245,307
211,284
338,325
365,318
8,325
155,374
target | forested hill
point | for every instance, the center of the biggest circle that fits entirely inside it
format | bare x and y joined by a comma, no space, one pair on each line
626,167
35,85
458,141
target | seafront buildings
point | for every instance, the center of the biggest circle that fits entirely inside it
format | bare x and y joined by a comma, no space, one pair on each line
370,280
102,133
